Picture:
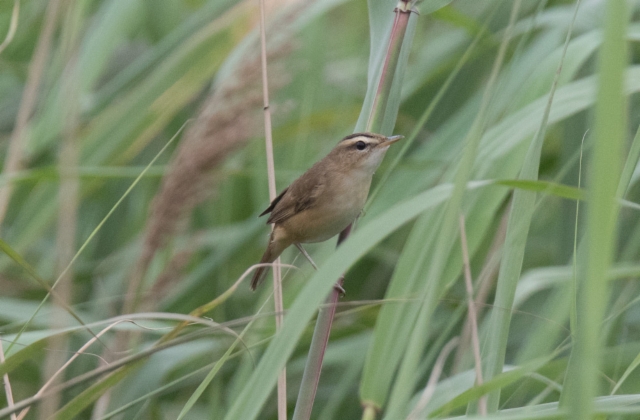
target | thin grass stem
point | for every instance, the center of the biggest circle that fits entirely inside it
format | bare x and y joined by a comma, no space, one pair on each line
13,26
428,391
7,384
472,314
271,172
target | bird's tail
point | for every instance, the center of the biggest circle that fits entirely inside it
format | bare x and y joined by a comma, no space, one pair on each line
273,251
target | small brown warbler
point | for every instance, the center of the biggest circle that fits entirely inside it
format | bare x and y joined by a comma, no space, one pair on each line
326,198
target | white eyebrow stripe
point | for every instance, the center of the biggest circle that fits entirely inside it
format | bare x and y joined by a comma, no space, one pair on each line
350,142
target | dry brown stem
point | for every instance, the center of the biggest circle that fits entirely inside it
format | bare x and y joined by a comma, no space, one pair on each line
484,285
37,66
7,384
472,314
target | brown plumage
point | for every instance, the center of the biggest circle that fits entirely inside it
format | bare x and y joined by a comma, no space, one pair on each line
326,198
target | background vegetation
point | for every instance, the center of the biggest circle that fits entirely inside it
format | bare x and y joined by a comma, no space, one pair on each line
97,96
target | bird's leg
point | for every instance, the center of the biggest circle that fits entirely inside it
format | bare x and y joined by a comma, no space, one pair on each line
306,255
336,286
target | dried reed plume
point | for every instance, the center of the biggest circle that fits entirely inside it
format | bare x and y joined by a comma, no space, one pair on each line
227,120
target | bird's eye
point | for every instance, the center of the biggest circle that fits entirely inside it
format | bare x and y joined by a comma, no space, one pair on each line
361,145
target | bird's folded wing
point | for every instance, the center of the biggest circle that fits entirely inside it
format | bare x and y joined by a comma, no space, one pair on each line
300,196
274,202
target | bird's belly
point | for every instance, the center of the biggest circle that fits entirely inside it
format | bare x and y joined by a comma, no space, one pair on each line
325,226
323,222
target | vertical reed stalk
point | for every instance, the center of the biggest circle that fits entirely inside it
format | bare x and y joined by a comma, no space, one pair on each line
313,367
277,277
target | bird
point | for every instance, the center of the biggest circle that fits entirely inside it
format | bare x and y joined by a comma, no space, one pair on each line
326,198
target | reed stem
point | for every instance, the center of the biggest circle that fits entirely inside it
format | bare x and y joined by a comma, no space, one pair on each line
313,367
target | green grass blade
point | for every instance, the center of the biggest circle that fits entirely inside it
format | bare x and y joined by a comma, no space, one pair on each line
248,404
407,378
14,255
215,369
91,394
629,165
6,248
21,356
518,225
581,383
495,383
547,187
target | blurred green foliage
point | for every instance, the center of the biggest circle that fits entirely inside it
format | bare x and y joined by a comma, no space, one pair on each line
121,78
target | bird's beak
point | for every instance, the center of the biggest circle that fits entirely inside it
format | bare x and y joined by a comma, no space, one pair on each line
392,139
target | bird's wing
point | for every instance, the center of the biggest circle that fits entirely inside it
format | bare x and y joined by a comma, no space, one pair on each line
274,203
308,193
300,195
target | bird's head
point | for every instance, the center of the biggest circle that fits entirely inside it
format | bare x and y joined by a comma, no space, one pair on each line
362,150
